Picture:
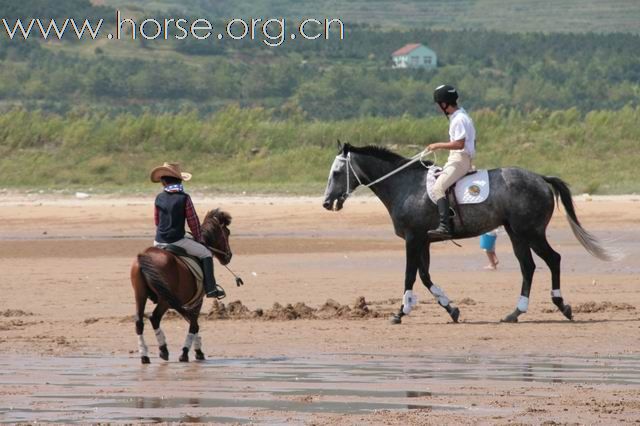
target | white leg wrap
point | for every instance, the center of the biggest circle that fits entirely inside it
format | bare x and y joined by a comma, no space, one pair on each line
523,304
189,341
162,340
197,342
409,300
438,293
142,346
556,293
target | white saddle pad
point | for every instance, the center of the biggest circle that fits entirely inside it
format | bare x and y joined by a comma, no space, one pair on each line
471,189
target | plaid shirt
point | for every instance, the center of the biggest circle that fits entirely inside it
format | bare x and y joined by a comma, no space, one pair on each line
192,219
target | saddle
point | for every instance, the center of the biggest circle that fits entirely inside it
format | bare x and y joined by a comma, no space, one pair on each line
195,266
472,188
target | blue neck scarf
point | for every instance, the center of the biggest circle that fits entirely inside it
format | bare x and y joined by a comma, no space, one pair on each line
174,188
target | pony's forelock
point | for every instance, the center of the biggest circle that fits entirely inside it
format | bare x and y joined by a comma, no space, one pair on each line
222,217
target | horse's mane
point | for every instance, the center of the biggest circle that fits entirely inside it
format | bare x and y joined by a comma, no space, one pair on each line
381,153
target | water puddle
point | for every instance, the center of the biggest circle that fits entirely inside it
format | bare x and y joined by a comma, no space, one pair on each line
93,389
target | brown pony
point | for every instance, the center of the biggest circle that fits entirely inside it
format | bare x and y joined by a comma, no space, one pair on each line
158,275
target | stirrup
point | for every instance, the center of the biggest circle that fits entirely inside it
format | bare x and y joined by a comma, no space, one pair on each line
440,233
218,292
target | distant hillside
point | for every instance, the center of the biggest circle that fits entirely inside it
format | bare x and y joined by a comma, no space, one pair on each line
499,15
317,80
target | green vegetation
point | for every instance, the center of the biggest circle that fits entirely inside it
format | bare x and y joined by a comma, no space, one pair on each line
499,15
250,150
327,80
246,117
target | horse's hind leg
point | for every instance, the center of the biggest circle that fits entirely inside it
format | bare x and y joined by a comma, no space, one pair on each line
156,317
192,337
141,301
436,291
522,251
552,258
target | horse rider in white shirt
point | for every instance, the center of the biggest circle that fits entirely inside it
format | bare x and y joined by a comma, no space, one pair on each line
462,149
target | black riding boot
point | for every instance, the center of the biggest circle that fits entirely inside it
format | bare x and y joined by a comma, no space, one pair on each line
445,229
210,287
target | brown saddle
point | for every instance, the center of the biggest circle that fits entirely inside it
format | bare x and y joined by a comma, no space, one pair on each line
194,265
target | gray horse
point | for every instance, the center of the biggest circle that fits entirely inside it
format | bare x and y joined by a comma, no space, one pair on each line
520,200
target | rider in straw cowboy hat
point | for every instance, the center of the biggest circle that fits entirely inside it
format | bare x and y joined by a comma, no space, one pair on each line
462,147
172,208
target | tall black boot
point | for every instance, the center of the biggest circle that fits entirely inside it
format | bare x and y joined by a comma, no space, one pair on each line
210,287
445,229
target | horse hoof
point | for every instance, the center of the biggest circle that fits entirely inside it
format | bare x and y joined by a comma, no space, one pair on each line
396,319
567,312
199,355
511,318
145,360
164,352
184,358
455,314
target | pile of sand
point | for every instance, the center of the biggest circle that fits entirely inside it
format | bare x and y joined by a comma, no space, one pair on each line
592,307
15,313
329,310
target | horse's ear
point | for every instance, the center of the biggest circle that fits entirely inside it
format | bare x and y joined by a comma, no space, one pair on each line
343,148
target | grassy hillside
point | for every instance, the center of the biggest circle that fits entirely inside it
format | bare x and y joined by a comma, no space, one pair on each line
325,80
249,118
248,150
499,15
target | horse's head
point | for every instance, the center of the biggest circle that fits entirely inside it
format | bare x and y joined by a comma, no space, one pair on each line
215,232
341,182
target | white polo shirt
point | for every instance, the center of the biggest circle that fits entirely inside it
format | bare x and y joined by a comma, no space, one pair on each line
461,127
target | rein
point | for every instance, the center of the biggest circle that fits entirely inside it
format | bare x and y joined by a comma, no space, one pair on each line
215,250
239,281
414,159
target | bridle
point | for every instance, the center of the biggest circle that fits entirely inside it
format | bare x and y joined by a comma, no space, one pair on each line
227,253
347,159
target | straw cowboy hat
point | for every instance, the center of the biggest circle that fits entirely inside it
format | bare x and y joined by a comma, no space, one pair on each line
169,169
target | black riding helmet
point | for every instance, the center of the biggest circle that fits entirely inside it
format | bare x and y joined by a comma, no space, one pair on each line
446,94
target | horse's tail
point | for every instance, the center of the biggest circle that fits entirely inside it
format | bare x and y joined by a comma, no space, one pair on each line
156,282
588,241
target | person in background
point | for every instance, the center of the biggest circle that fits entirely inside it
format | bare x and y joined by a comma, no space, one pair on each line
488,244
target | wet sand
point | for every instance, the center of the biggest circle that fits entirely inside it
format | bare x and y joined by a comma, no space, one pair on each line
66,304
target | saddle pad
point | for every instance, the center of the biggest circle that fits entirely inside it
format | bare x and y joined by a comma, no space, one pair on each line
198,276
471,189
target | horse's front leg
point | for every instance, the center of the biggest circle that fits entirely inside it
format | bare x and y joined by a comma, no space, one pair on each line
193,338
436,291
413,247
